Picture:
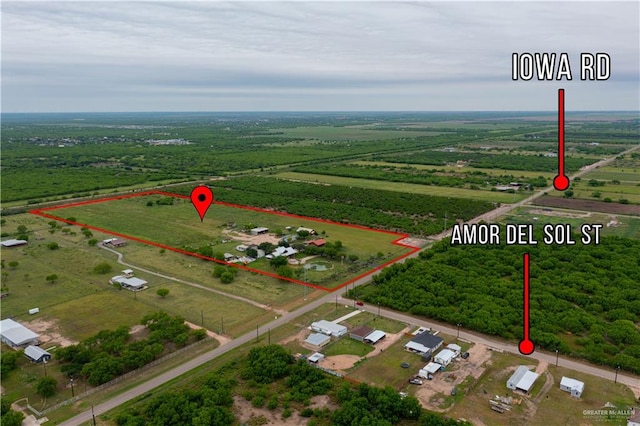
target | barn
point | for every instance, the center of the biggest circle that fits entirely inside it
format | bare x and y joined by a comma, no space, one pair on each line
16,335
259,231
522,379
360,333
329,328
317,339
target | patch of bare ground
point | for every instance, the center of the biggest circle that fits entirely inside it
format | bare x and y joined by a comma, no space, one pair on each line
588,205
49,333
413,242
339,363
456,372
246,413
251,239
298,337
223,340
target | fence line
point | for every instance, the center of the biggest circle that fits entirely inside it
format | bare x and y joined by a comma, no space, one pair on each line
116,380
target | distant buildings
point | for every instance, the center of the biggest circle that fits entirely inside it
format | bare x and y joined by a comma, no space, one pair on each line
129,282
13,243
259,231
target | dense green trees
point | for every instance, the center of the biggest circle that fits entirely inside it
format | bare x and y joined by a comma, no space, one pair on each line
46,386
584,299
8,417
109,354
414,213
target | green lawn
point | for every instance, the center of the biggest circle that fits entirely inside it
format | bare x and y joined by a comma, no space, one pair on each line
626,227
625,190
462,170
413,188
385,369
348,346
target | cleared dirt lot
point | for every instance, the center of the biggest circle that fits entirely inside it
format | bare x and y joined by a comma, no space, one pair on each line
588,205
455,373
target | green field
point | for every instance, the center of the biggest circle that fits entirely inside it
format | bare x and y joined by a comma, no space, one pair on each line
349,346
623,226
463,170
624,190
412,188
359,133
177,226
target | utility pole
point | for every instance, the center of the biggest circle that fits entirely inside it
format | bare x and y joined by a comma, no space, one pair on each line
556,357
458,336
73,393
257,335
202,317
93,416
616,379
269,334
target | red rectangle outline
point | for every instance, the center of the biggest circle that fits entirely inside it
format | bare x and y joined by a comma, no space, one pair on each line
40,212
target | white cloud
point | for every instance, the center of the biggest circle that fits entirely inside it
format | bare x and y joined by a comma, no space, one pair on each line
310,55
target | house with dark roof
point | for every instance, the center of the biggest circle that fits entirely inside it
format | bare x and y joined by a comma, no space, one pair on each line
424,344
360,333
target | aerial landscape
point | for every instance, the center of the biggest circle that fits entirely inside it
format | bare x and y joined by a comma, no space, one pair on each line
239,213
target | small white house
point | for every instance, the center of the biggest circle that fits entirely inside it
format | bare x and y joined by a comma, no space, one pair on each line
573,386
455,348
429,369
444,357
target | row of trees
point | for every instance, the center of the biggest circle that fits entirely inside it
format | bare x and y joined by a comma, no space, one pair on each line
584,299
412,213
269,374
534,163
409,174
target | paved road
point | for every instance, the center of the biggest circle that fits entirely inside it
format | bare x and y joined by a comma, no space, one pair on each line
331,298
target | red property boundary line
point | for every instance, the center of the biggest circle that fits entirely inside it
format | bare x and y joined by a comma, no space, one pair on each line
413,249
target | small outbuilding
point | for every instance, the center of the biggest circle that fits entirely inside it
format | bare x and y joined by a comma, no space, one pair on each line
259,231
16,335
317,339
13,243
303,229
37,355
127,273
117,242
429,369
316,357
455,348
375,337
360,333
522,379
573,386
444,357
320,242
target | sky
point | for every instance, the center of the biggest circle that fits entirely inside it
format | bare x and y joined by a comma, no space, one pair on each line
88,56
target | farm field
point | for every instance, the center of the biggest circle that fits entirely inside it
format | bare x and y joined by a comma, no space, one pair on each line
359,133
622,226
588,205
442,191
517,174
176,227
582,189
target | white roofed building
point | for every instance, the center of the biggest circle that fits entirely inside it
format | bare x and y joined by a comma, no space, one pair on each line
522,379
375,336
37,355
429,369
15,334
329,328
573,386
131,283
444,357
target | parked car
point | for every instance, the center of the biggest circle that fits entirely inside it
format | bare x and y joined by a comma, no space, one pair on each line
415,381
465,355
360,303
454,391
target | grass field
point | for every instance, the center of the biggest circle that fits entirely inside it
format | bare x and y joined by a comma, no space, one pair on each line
385,369
582,190
177,226
627,227
359,133
560,408
411,188
349,346
463,170
614,173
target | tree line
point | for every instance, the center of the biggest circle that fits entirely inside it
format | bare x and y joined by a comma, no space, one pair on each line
584,299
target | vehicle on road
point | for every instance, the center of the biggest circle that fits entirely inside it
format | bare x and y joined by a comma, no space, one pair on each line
415,381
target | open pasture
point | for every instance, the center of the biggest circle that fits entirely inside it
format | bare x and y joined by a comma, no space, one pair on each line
175,226
442,191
